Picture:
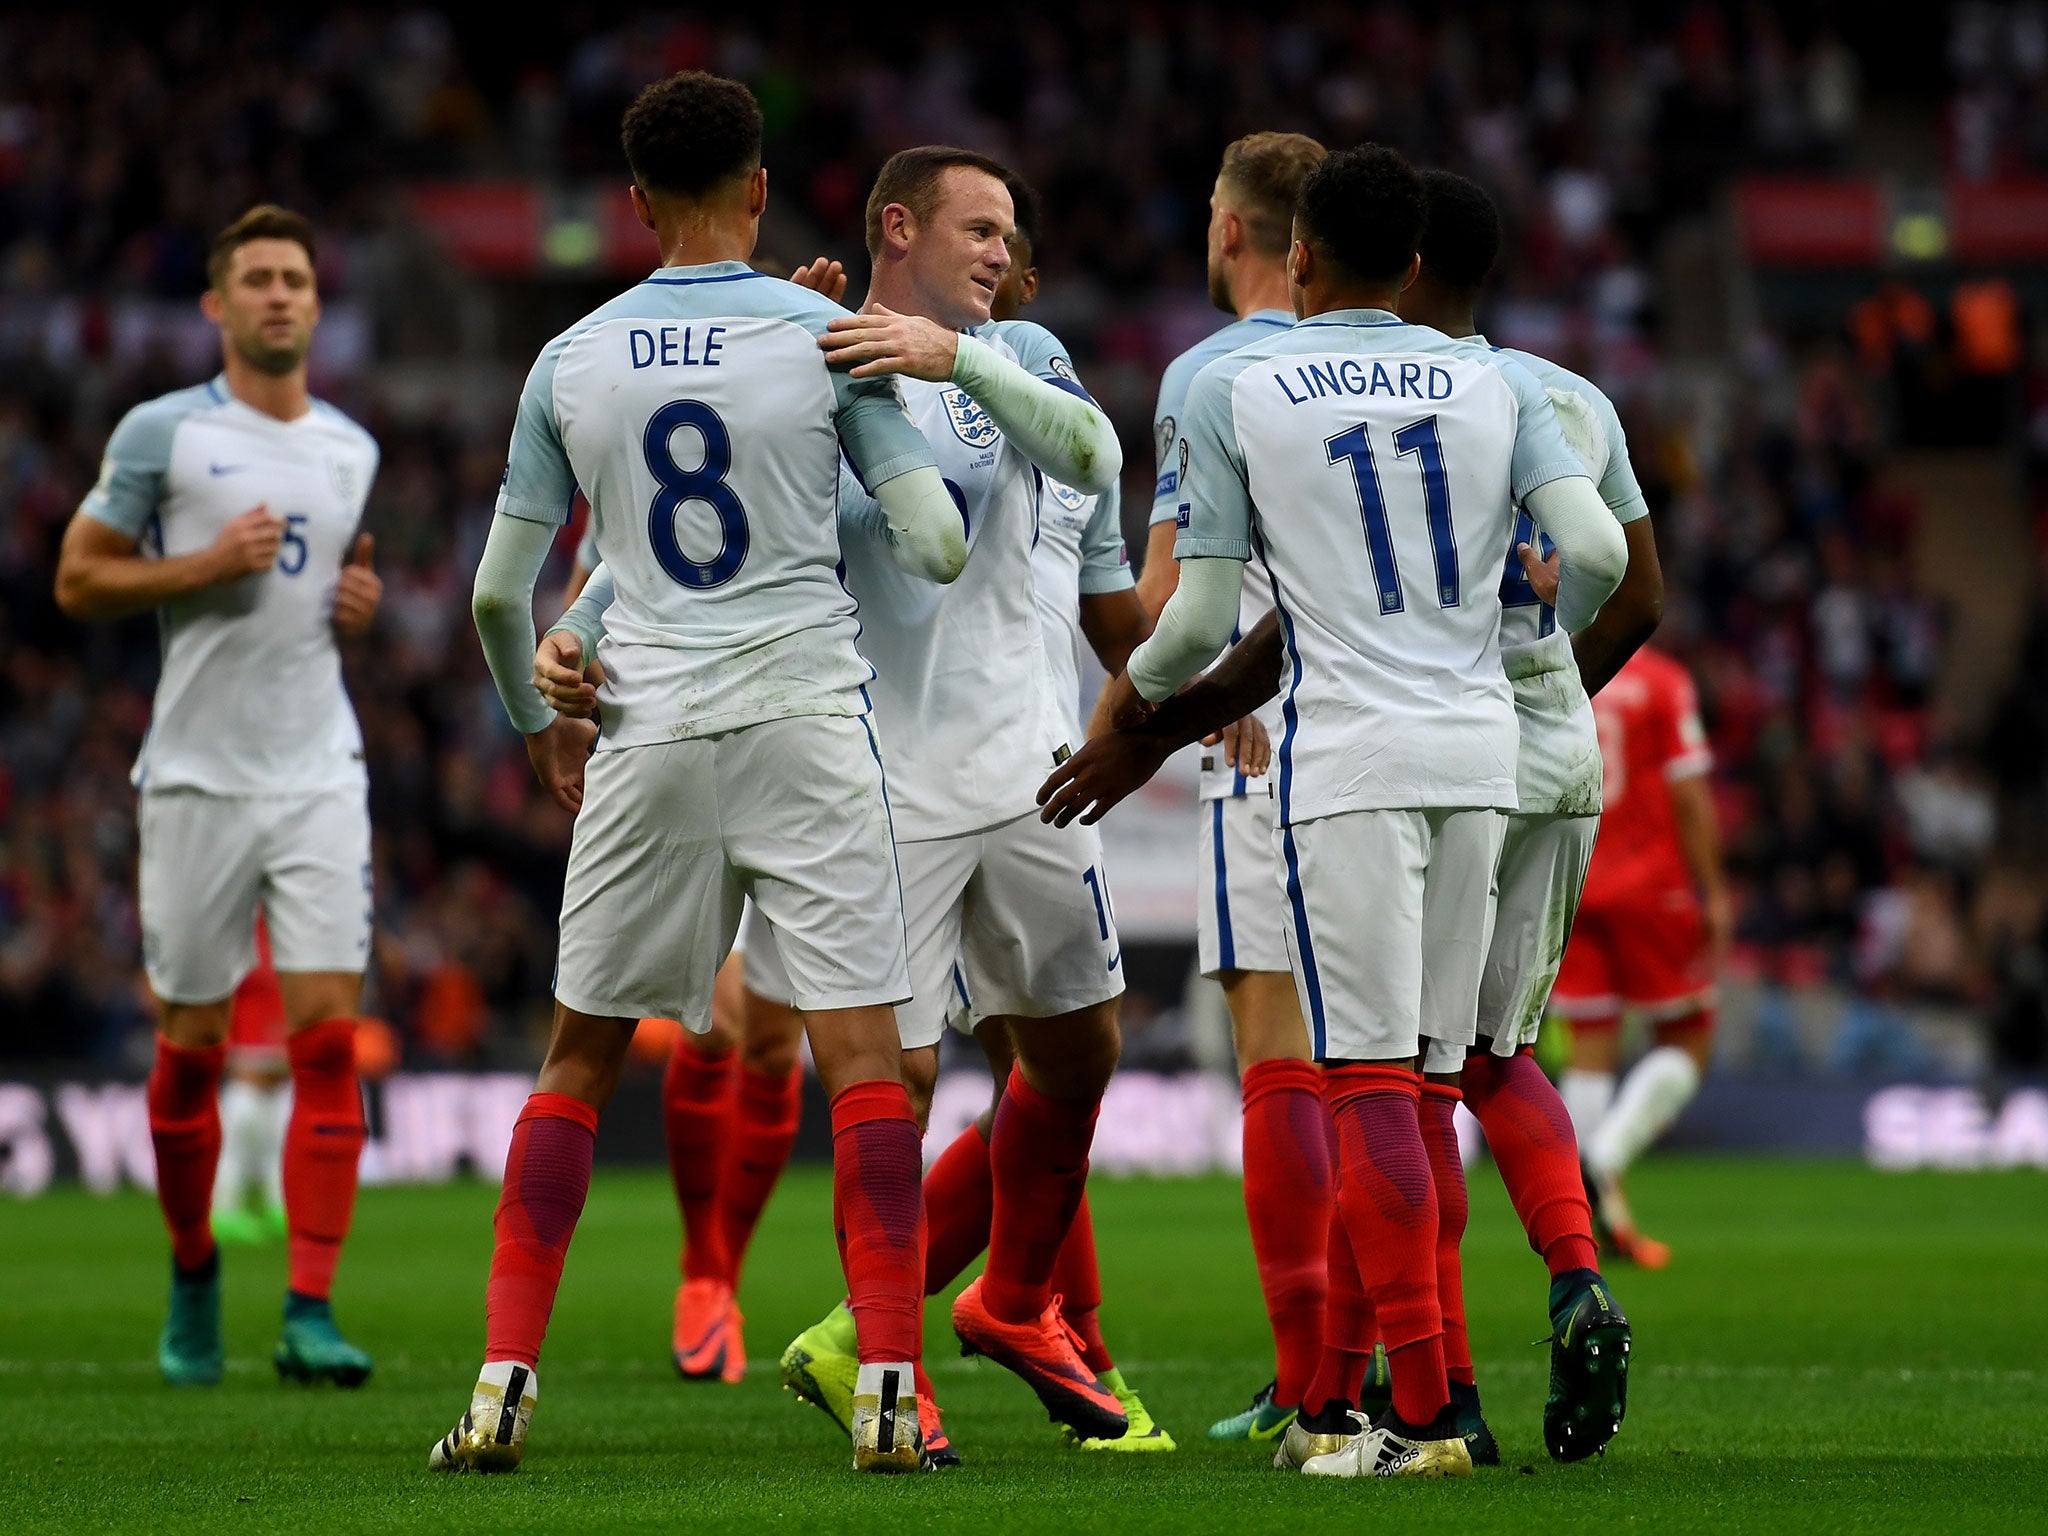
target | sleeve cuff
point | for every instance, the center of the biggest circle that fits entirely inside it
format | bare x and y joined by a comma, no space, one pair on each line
1543,474
1190,547
1163,512
100,512
879,475
532,511
1630,511
1094,583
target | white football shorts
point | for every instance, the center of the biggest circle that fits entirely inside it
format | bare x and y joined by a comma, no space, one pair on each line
1542,870
1023,909
760,962
673,835
1240,905
1390,919
210,862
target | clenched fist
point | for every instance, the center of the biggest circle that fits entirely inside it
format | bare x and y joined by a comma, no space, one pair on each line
247,544
358,592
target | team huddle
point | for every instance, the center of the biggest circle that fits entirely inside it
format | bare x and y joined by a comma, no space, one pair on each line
815,706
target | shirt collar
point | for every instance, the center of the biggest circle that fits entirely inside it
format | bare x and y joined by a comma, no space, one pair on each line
1355,317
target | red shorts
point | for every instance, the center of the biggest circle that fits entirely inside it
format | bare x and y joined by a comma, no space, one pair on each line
1650,955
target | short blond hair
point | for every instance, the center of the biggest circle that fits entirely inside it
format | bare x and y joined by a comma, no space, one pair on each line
1263,173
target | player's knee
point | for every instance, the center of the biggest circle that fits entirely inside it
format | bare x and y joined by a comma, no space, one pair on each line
585,1056
769,1047
197,1026
1071,1056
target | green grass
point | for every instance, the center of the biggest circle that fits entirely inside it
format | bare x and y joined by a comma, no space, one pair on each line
1833,1350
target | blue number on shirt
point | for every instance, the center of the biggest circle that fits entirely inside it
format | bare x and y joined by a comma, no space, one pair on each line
1103,911
291,553
1420,438
705,483
1354,448
1515,589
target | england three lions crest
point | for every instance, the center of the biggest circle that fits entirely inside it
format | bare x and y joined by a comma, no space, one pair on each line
348,484
971,424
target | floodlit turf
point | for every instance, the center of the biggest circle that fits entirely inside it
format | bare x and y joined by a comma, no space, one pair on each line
1833,1350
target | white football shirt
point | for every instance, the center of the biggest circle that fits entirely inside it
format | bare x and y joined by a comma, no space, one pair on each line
964,693
250,700
1375,466
1219,780
1077,551
698,416
1558,770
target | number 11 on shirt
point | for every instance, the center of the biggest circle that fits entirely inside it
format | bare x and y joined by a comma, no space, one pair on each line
1353,448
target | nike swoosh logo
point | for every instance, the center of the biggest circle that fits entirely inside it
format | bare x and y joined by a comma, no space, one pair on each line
1115,960
225,469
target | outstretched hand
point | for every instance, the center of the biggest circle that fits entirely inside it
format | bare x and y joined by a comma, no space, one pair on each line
822,276
878,341
1107,770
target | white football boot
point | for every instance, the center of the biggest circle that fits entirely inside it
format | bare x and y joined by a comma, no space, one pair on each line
492,1434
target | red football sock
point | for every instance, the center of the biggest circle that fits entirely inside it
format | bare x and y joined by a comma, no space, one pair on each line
547,1176
323,1143
1350,1328
696,1107
1447,1173
1531,1139
1038,1162
958,1198
765,1112
1287,1198
184,1127
878,1211
1388,1202
1077,1281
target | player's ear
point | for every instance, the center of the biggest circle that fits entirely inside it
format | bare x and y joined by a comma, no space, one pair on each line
898,225
1414,271
1027,286
757,192
210,305
1301,263
1232,232
642,209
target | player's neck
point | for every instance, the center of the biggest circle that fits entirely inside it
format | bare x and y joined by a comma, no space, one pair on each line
895,286
283,395
1319,300
1259,285
1441,308
700,246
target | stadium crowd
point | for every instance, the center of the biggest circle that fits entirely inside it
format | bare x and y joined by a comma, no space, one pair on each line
1862,818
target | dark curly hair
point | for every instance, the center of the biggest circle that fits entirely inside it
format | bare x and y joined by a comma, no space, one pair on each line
1461,240
1364,208
692,132
1025,197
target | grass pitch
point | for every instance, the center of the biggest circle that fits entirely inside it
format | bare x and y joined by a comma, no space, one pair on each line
1833,1350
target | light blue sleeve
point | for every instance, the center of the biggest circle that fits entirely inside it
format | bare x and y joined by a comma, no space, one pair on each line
1173,399
1105,563
1215,511
584,618
860,515
880,439
1618,486
138,456
538,484
1541,453
1042,355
